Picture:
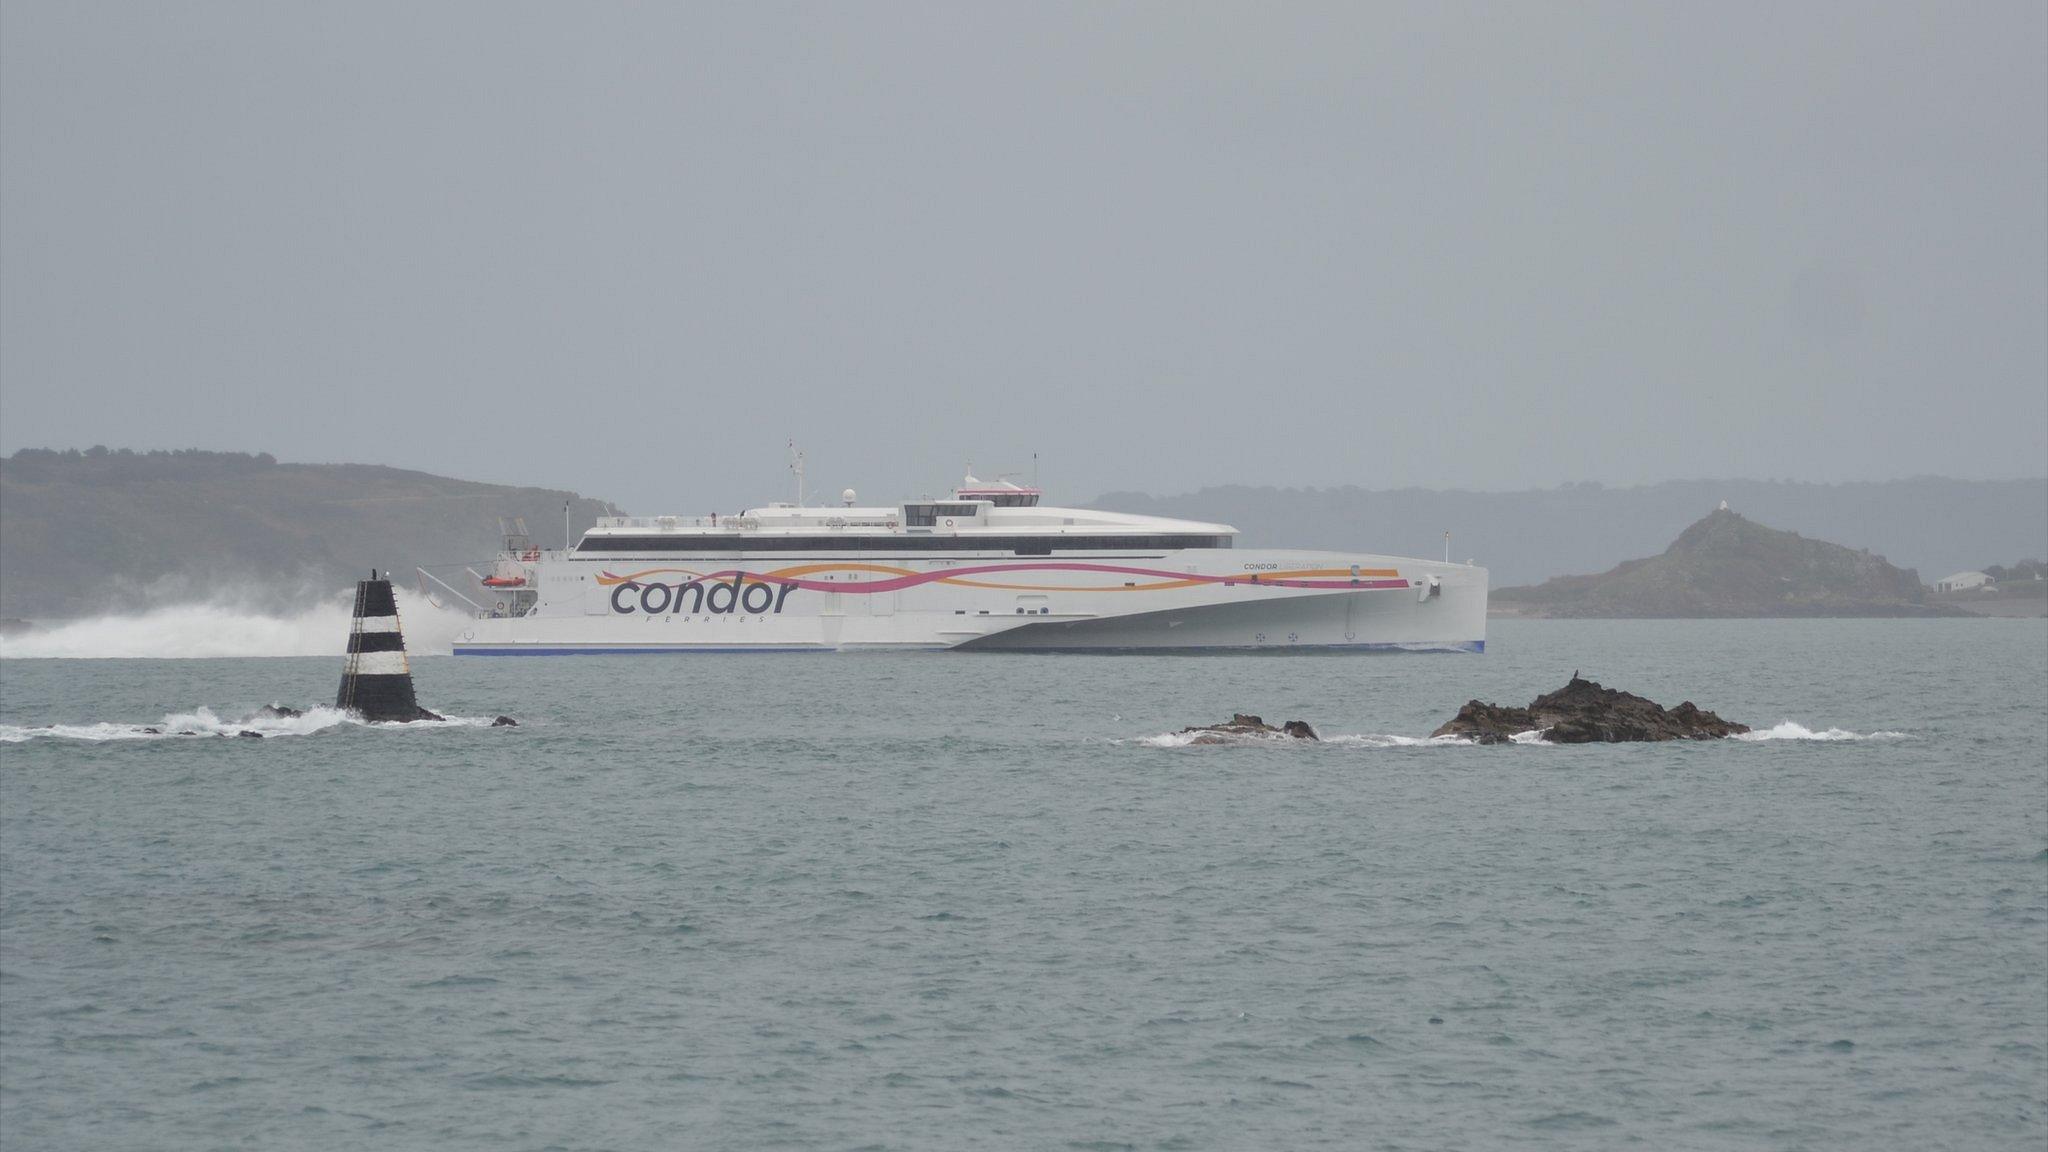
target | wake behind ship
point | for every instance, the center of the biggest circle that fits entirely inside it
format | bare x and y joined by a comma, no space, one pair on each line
988,568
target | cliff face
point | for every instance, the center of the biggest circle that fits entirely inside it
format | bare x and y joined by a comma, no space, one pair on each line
1726,565
84,533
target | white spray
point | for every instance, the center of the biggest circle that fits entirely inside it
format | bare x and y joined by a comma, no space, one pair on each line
223,628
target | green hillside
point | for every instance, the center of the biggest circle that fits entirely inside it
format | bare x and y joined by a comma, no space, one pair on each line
99,531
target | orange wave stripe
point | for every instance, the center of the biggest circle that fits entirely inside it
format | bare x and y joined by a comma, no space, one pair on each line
1297,574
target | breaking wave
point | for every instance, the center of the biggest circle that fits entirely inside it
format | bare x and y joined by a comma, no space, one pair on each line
202,722
1190,739
197,631
1255,739
1787,730
1784,730
1387,740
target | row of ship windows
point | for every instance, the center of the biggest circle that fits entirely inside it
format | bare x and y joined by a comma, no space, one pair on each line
927,515
1021,545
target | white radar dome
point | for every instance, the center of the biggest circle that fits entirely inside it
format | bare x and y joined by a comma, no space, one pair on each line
848,497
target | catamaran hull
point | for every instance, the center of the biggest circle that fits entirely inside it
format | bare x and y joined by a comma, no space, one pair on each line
1233,600
1349,621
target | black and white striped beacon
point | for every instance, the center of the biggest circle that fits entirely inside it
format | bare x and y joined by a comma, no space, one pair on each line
376,683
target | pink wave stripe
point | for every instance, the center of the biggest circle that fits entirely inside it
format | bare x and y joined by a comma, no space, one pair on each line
913,580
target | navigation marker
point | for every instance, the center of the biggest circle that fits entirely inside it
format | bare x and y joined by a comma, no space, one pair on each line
376,683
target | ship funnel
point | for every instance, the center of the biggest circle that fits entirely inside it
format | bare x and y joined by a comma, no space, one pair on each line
376,683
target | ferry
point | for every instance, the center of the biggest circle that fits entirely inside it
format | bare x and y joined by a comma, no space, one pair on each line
988,568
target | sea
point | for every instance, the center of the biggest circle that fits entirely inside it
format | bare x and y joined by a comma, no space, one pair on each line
949,901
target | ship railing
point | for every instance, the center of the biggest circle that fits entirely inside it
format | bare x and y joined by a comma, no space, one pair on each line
739,523
451,589
520,601
672,522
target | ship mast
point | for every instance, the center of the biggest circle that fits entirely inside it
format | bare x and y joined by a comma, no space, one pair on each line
796,465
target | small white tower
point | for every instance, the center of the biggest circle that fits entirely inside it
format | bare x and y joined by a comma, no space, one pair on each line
847,497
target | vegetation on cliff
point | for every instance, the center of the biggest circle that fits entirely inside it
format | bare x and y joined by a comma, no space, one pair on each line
105,531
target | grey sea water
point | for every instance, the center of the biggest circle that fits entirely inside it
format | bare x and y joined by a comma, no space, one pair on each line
917,902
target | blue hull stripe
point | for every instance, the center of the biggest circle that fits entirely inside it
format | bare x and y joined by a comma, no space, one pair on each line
1419,648
642,651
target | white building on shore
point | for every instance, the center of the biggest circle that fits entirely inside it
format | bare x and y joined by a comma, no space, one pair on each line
1964,582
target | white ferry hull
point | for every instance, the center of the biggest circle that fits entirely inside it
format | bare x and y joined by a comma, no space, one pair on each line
1200,600
1383,620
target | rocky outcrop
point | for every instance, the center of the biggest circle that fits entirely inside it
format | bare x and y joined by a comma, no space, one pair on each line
1241,725
504,722
1583,712
1729,566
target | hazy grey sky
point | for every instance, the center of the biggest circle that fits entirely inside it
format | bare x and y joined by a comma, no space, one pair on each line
634,249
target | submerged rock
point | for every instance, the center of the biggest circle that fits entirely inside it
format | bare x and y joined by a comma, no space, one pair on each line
248,735
1582,712
279,712
504,722
1242,724
152,731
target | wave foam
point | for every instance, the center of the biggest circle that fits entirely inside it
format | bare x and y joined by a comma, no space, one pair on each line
197,631
1208,739
1387,740
1788,730
1253,739
1784,730
203,722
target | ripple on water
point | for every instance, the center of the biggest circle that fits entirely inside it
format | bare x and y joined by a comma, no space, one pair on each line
457,981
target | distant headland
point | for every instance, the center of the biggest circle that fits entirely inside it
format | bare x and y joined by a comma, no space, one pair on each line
1725,565
1930,523
106,530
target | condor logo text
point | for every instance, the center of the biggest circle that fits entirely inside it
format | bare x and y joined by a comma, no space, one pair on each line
737,595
